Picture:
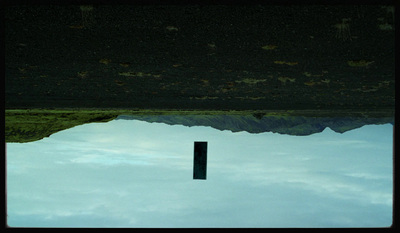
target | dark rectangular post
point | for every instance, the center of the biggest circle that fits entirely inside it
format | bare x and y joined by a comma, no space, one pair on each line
200,160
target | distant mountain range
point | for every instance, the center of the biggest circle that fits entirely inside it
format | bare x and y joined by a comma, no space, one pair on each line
29,127
291,125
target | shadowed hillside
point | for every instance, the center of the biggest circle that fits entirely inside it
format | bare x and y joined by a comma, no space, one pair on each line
292,125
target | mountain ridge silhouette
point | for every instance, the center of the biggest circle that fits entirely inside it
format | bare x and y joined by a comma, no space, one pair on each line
291,125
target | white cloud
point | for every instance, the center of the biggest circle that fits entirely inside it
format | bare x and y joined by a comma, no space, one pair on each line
95,174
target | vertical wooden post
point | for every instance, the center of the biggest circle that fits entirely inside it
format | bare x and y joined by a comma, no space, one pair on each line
200,160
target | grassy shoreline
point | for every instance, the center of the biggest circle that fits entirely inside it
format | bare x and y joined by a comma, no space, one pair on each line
384,112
